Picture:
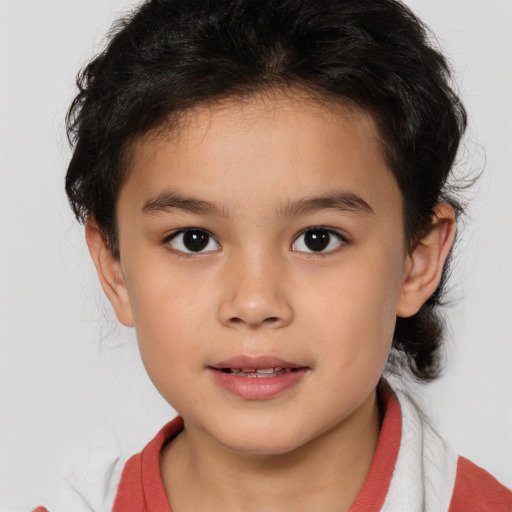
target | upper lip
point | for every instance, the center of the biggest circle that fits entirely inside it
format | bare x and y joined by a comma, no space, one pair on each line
255,362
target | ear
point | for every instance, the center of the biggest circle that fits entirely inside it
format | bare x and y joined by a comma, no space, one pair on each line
110,273
424,265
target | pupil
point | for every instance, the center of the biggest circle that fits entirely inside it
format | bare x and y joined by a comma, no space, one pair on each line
195,240
317,239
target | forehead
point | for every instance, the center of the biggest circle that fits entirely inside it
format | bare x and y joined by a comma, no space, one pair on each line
255,152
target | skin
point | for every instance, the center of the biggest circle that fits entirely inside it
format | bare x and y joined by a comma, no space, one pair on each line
256,290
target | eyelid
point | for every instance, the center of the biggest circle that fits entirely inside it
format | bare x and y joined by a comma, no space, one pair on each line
343,240
169,238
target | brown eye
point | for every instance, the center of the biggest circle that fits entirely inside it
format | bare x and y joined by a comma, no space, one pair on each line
193,240
318,240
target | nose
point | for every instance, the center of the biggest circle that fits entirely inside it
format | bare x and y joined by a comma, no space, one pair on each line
255,296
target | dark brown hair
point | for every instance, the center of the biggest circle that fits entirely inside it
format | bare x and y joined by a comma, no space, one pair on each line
171,55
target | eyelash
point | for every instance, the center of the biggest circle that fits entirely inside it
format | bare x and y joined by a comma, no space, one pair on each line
331,232
187,253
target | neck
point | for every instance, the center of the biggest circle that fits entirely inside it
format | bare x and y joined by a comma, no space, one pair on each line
325,474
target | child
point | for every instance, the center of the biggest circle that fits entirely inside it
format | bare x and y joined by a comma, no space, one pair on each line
263,185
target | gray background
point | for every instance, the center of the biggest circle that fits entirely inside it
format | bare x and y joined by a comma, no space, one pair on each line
71,381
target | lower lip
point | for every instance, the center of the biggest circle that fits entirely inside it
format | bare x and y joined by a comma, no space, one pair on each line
257,388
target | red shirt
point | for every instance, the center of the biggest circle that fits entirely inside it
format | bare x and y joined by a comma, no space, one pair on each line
141,488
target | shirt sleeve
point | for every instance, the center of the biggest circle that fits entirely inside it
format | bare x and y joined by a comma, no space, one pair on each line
476,489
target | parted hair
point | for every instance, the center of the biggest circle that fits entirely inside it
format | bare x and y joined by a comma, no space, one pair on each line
169,56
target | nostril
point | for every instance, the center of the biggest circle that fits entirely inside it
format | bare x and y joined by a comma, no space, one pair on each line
249,313
272,320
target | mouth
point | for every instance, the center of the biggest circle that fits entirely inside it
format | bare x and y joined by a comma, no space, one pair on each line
257,378
259,373
263,366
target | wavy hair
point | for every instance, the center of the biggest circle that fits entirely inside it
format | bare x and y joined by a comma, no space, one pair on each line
169,56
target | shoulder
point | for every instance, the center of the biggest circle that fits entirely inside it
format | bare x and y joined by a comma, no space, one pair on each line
443,480
475,489
116,483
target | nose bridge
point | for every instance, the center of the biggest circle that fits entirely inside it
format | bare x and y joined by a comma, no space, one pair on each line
255,290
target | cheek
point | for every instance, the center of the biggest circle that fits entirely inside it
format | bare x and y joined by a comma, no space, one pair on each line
353,310
164,298
353,326
170,317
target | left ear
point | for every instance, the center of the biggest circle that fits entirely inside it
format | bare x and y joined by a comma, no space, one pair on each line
424,265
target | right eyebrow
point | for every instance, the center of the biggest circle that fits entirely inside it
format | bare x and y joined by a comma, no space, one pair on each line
339,200
172,200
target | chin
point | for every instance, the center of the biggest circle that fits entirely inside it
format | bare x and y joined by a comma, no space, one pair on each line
253,442
264,448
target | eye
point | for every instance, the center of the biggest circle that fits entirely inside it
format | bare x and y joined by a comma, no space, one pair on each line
318,240
193,241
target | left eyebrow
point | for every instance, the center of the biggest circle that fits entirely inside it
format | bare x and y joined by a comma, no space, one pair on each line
341,201
173,201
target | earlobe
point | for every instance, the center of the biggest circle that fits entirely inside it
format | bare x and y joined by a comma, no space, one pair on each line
110,274
424,265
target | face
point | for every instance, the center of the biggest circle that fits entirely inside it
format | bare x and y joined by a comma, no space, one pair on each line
262,255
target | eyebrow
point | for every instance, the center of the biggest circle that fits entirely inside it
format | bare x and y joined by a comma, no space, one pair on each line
172,200
341,201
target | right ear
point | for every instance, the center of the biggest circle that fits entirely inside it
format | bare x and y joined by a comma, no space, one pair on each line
110,273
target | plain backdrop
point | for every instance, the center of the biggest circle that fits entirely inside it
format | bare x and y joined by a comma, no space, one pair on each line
71,381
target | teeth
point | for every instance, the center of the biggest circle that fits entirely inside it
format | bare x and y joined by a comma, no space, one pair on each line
259,372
